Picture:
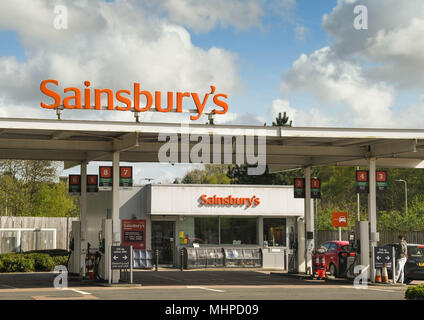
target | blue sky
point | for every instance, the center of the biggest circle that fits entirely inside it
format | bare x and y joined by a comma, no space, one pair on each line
272,56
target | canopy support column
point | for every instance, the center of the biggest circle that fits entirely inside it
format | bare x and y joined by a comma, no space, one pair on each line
83,218
372,211
116,221
309,221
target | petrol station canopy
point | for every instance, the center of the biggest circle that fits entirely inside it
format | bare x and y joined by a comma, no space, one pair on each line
76,141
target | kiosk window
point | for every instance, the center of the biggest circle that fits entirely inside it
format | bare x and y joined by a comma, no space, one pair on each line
206,230
275,232
238,229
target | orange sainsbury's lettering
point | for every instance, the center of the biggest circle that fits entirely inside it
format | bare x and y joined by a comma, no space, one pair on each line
229,201
50,93
125,100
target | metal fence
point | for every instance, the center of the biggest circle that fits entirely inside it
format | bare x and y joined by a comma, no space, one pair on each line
32,235
385,236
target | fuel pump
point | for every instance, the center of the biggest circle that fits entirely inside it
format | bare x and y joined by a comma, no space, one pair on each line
359,248
105,241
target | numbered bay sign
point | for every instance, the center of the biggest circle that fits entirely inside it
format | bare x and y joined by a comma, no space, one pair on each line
105,178
74,183
362,183
381,181
315,188
92,183
125,177
299,187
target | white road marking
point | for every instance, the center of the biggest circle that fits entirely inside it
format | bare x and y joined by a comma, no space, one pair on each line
368,288
78,291
204,288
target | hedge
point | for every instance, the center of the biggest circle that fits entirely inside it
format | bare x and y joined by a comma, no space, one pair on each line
415,292
32,261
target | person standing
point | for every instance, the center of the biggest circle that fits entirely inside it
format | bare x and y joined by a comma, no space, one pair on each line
401,259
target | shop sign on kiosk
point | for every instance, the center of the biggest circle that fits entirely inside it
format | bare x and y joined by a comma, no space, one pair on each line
133,233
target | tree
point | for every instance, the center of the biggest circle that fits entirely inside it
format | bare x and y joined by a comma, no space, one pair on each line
282,120
28,188
211,174
53,201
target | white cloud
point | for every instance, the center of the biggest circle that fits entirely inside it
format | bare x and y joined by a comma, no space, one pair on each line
364,69
393,41
301,118
202,16
112,45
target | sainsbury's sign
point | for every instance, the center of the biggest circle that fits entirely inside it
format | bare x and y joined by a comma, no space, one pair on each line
229,201
125,100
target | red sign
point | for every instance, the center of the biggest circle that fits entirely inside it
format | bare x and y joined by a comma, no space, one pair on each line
315,183
381,176
105,172
299,183
74,179
134,233
339,219
126,172
362,176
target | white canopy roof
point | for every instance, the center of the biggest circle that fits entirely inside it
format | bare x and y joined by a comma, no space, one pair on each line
74,141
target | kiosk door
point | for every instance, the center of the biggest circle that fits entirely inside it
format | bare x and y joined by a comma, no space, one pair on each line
163,240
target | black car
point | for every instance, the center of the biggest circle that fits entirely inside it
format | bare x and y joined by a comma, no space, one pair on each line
414,267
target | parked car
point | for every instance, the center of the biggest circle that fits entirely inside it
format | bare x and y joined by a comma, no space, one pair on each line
331,251
414,267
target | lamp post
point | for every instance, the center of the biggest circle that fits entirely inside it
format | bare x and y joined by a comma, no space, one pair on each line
406,194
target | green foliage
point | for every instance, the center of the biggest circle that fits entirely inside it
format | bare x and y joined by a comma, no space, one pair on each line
415,292
211,174
53,201
16,263
43,260
400,221
27,188
60,260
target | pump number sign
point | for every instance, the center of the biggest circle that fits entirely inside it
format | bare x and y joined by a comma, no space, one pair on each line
92,183
125,177
381,180
315,188
74,183
299,187
105,178
362,185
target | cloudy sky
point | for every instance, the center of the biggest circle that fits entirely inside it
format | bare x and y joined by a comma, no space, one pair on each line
300,56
